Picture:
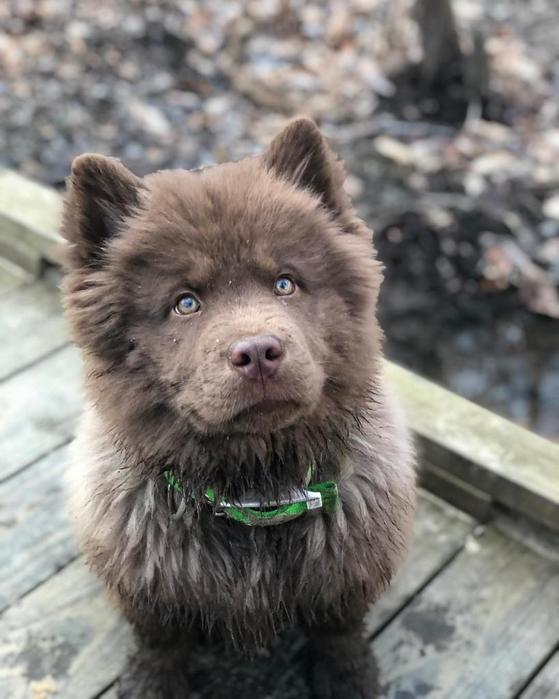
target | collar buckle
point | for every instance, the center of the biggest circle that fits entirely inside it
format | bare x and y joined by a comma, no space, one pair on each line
313,499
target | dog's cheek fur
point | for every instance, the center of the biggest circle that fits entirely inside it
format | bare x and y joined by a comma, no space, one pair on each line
94,305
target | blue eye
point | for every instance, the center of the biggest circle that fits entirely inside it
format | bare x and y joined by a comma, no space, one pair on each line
284,286
187,304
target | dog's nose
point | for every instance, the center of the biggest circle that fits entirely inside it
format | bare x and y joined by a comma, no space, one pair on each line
257,357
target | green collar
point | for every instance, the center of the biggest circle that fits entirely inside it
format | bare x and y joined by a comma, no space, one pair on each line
254,513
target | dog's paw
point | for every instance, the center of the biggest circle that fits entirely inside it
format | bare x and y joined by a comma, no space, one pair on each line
331,680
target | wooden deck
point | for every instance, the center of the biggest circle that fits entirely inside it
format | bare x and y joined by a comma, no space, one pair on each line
473,613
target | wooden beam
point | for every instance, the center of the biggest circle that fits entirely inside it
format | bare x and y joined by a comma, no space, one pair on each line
457,492
29,222
516,467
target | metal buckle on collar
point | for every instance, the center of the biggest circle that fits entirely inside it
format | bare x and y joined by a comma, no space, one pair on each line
312,498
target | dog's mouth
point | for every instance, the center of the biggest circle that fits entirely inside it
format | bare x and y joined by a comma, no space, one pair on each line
268,406
265,415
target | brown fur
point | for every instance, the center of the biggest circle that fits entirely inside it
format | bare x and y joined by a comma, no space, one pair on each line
162,393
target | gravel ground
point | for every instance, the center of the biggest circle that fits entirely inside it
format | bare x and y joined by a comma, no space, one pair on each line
466,215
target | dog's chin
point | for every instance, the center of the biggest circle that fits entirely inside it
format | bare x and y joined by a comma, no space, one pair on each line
267,416
264,417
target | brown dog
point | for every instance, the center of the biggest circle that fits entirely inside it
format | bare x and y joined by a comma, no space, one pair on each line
226,319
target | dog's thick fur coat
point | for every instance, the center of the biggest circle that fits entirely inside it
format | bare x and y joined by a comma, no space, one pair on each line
163,394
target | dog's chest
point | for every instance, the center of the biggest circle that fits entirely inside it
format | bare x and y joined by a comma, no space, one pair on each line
213,563
224,554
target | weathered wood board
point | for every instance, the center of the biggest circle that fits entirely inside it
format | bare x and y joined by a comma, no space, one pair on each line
462,495
440,532
10,278
546,684
516,467
29,220
63,636
36,539
31,320
39,409
479,630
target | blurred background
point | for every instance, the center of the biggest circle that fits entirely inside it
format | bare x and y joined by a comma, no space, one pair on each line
446,113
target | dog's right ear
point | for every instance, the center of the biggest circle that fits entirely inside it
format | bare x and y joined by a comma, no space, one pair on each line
301,155
101,193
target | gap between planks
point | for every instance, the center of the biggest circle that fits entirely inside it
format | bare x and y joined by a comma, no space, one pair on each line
545,684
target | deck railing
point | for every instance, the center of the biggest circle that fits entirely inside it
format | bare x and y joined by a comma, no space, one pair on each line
469,456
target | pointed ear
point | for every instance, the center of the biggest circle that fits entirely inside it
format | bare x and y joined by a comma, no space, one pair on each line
301,155
101,193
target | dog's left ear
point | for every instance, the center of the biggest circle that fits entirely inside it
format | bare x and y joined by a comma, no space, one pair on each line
301,155
101,194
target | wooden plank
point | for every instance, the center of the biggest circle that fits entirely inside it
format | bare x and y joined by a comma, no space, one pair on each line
29,220
546,683
11,277
440,533
39,409
64,637
479,630
456,492
36,538
31,319
516,467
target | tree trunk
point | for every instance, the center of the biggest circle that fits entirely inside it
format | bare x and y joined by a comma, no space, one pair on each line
442,57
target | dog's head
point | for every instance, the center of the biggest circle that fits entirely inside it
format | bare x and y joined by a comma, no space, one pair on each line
236,300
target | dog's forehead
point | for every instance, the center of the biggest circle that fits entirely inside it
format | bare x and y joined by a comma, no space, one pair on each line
236,212
241,193
234,223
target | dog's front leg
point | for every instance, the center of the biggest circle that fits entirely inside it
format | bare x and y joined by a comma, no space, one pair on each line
342,662
158,667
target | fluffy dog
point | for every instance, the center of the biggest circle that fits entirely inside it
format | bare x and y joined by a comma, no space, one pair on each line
226,318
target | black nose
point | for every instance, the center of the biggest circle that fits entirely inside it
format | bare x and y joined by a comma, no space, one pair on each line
257,357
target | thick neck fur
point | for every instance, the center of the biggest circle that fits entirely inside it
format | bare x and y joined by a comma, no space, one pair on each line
234,463
242,582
